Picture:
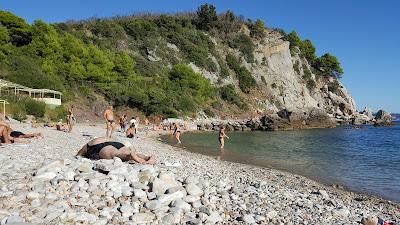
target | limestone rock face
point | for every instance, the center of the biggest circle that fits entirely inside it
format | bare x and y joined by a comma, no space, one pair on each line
279,74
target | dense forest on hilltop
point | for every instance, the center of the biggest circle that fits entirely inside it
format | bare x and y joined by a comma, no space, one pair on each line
142,61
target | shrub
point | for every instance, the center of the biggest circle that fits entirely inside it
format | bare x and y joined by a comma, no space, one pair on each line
333,86
245,46
216,105
296,67
59,112
19,107
310,84
257,29
16,110
224,72
229,94
209,112
35,108
264,61
246,80
273,85
307,73
263,80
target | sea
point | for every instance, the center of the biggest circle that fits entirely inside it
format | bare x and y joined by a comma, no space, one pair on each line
363,159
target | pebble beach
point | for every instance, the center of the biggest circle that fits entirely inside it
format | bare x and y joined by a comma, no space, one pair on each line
42,182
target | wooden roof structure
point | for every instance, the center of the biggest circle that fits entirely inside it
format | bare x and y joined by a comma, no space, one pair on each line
48,96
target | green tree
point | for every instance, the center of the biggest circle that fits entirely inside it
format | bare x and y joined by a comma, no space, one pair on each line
4,37
294,39
206,17
257,29
329,65
308,50
189,82
19,31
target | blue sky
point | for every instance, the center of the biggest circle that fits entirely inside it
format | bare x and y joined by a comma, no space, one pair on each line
363,34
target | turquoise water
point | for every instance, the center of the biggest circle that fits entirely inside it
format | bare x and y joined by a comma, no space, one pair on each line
363,160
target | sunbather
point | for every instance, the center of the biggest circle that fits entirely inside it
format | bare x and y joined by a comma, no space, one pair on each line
106,148
9,136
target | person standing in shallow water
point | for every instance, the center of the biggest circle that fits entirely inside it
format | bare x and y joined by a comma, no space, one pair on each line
177,132
222,137
109,117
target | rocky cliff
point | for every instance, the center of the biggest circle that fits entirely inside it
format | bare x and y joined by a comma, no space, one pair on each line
282,94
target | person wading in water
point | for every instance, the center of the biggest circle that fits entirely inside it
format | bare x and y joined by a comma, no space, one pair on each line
177,132
222,137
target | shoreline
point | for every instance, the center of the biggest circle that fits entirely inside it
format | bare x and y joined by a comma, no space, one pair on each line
245,193
271,167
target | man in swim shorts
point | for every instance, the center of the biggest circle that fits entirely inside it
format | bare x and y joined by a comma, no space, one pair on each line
109,117
106,148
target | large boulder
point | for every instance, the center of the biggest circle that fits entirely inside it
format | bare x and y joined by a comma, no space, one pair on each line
383,118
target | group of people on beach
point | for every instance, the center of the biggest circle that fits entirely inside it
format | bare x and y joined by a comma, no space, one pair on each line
103,147
108,148
130,128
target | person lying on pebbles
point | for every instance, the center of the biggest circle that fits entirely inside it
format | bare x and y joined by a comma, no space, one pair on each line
107,148
9,136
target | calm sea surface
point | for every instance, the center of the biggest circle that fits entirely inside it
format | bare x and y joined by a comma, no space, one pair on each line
364,160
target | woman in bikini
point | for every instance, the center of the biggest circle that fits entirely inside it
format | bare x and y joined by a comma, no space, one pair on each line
177,132
106,148
70,118
222,136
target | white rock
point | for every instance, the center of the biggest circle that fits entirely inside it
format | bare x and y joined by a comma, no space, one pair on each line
51,167
180,204
248,218
163,183
153,205
33,195
194,190
126,210
191,180
14,220
324,194
340,212
140,193
214,218
45,176
166,199
191,198
85,217
85,167
271,214
143,218
69,175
